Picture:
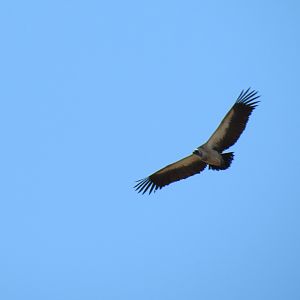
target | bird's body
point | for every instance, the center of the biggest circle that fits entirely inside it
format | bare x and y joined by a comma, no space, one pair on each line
211,152
209,155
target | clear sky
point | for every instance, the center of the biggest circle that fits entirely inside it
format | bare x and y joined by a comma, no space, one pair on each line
98,94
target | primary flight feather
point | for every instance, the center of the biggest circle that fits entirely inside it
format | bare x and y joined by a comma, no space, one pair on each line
210,153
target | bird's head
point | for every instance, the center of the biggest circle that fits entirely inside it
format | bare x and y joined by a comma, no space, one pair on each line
198,152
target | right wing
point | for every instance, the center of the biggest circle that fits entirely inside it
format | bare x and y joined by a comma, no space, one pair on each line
181,169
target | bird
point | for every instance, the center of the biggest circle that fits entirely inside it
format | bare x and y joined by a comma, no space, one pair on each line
210,153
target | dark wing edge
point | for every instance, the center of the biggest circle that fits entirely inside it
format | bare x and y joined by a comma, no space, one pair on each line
179,170
235,121
248,98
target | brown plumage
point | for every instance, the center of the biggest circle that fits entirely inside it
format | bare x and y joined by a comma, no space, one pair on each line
210,153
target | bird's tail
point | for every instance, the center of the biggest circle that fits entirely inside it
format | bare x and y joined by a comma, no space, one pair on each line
227,159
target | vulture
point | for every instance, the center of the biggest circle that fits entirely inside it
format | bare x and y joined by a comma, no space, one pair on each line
211,152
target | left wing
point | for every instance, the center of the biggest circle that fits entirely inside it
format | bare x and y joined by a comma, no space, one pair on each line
234,123
181,169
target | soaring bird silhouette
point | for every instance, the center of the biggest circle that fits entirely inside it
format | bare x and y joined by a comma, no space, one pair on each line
210,153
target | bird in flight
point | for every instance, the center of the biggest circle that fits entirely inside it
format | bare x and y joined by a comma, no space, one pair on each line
211,152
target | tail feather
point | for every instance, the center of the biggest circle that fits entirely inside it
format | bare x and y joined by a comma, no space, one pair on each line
227,159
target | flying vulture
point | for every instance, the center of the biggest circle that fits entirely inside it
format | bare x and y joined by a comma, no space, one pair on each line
210,153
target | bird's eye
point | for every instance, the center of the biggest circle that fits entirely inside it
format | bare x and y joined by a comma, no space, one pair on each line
197,152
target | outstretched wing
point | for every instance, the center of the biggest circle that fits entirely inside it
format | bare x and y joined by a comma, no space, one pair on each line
181,169
234,122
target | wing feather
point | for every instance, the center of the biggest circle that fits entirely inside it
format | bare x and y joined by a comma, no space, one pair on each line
181,169
235,121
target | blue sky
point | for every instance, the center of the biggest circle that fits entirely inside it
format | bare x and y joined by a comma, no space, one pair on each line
98,94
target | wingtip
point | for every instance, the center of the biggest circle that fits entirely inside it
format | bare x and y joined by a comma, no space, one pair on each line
248,97
144,184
